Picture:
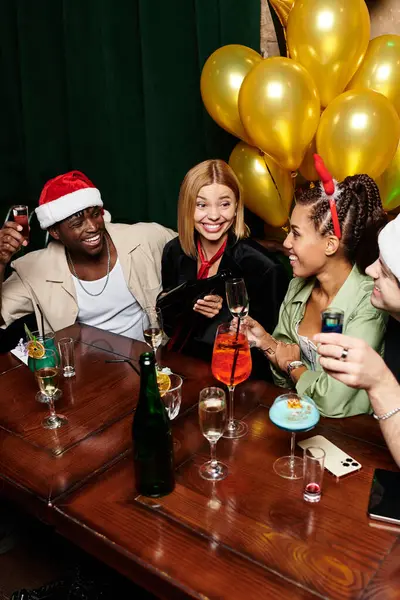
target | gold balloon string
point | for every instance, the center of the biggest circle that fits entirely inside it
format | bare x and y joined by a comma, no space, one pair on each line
272,177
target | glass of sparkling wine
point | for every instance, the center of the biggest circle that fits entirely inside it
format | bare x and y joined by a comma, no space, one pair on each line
212,418
20,215
237,298
313,473
153,328
47,370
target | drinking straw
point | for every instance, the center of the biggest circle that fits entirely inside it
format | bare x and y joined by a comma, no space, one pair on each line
41,321
235,357
125,360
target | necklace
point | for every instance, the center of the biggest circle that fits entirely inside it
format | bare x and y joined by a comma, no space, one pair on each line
108,271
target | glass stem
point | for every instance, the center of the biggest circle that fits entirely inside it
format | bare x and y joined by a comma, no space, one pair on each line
231,422
155,356
213,446
292,447
52,410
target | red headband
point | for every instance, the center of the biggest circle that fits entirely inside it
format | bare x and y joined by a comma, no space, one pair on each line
329,187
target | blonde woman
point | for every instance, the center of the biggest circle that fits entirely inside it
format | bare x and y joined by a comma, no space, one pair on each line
213,237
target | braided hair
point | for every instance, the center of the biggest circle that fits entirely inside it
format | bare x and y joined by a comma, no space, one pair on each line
360,215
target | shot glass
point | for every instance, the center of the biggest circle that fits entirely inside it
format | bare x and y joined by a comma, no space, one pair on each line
20,214
313,473
332,320
67,354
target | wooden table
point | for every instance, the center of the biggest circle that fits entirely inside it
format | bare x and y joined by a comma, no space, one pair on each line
37,465
250,536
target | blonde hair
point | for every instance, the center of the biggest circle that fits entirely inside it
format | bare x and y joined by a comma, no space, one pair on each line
206,173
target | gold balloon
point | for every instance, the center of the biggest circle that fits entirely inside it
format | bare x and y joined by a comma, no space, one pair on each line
329,38
389,184
279,108
358,133
380,69
307,167
267,188
282,9
220,82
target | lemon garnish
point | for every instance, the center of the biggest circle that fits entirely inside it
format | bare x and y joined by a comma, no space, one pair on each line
163,382
35,349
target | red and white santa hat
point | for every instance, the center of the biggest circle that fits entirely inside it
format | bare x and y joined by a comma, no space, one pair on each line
389,246
66,195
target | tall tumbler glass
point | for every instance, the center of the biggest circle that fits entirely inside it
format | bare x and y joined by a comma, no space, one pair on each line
67,356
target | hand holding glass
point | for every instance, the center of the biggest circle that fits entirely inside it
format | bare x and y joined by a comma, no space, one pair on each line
237,298
47,369
20,215
212,418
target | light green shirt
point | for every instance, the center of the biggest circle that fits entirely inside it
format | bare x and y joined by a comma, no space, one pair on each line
361,320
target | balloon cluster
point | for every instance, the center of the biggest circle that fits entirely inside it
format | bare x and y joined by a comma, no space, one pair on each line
338,94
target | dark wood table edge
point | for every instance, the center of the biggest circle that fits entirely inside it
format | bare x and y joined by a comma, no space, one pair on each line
115,552
23,496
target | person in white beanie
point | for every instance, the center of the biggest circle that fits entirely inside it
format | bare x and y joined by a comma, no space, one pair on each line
98,273
353,362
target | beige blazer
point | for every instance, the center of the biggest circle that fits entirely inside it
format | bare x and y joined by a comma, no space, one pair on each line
43,277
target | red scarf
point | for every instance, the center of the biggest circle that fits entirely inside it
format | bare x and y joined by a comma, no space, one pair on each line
206,264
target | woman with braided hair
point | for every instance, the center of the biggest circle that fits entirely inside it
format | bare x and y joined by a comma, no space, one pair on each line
333,238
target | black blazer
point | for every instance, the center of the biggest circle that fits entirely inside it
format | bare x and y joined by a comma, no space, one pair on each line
266,281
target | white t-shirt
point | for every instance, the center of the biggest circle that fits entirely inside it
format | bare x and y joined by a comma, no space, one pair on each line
115,310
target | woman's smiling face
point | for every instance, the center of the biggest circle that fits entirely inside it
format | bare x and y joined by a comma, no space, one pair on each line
306,247
215,211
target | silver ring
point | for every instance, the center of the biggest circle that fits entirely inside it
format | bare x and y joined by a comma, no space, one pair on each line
344,354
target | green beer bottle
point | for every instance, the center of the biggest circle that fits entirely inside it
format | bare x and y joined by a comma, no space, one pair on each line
152,438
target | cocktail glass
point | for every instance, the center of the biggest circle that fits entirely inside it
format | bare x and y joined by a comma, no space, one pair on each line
293,413
231,364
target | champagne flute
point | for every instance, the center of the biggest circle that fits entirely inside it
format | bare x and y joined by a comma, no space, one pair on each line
237,298
153,329
212,418
47,370
231,364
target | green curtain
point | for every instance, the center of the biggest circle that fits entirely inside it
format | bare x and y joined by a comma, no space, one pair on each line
111,87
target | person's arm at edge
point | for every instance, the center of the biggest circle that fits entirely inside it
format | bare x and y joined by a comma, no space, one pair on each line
384,397
364,368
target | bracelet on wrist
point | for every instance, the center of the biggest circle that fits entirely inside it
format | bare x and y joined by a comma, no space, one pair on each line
387,415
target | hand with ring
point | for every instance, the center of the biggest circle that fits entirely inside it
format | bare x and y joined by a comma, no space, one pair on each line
351,360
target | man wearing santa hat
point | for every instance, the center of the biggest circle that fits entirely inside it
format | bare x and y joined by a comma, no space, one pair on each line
353,362
97,273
